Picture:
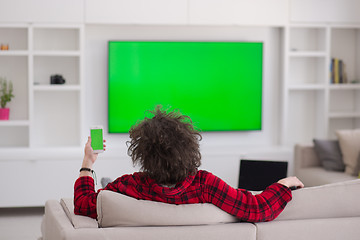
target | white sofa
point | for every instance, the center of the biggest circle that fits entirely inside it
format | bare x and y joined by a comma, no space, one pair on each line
323,212
308,168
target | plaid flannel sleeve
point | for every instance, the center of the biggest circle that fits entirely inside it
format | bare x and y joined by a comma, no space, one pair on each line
244,205
85,197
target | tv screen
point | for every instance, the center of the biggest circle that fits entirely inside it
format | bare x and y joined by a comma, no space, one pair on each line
217,84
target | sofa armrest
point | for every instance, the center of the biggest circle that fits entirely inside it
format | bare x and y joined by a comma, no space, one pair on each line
55,222
305,156
76,220
56,225
336,200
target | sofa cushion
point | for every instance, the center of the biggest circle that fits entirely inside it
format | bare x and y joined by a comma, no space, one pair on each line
336,200
329,228
350,147
329,153
316,176
115,209
229,231
77,220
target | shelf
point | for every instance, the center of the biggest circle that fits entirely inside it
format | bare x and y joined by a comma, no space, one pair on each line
345,46
304,110
56,119
338,123
307,54
57,88
301,87
14,123
47,65
46,39
16,37
13,53
345,86
344,115
57,53
307,71
307,39
16,132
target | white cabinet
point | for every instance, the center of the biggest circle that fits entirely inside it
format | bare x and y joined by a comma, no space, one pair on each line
325,11
136,12
193,12
41,114
32,182
42,11
344,99
14,66
40,145
313,106
241,12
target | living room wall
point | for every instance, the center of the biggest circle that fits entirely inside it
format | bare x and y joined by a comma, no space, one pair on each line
217,148
32,153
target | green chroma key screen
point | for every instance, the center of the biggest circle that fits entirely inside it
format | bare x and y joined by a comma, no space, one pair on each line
96,139
218,84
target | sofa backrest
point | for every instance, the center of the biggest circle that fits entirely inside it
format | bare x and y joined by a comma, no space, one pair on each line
336,200
116,209
305,156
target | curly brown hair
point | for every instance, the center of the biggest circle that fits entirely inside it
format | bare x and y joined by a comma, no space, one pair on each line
166,146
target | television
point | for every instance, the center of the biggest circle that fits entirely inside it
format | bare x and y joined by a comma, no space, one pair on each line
217,84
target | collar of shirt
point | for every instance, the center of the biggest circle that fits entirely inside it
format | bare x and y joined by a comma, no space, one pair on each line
179,188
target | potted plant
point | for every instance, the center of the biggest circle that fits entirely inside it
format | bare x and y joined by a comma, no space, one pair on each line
6,93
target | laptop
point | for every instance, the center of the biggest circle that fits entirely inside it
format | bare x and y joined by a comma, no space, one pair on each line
256,175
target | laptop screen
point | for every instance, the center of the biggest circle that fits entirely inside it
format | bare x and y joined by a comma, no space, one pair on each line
256,175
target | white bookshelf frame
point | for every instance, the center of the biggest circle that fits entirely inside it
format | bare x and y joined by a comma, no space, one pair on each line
29,54
323,121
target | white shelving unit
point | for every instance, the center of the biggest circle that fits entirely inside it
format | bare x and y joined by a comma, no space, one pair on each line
45,122
41,112
344,99
313,106
14,65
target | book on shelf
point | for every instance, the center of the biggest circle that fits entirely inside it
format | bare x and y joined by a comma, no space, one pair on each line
337,71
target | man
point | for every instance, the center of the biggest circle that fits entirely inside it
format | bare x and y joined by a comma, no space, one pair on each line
166,147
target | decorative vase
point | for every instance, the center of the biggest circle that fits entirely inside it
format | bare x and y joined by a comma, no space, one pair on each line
4,113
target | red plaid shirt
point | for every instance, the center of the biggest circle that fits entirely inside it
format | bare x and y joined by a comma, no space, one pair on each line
203,187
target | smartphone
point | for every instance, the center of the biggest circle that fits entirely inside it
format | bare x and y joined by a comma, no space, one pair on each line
97,142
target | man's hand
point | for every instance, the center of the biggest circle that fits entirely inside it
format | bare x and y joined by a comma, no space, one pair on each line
89,157
291,182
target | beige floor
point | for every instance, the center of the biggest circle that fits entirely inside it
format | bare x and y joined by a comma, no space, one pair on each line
20,223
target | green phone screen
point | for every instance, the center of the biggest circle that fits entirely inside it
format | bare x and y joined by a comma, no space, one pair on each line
96,139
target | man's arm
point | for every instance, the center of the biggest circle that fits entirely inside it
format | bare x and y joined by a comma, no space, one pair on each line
246,206
84,189
85,197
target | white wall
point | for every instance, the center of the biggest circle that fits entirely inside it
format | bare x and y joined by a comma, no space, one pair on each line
329,11
221,151
136,20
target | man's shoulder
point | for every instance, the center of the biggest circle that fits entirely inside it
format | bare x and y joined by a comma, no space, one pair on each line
136,176
204,175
